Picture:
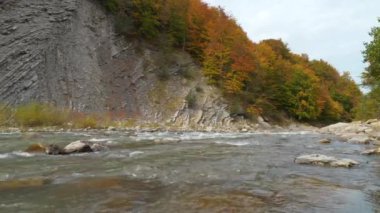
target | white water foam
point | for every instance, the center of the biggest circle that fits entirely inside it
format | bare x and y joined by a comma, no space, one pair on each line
238,143
168,136
23,154
4,156
9,133
100,140
135,153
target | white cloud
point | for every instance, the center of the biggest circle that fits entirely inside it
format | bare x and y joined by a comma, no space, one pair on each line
333,30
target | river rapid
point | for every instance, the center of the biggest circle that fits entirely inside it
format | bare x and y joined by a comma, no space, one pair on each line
186,172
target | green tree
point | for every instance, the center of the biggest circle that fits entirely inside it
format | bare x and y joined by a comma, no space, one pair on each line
146,16
302,94
371,54
370,103
369,106
174,17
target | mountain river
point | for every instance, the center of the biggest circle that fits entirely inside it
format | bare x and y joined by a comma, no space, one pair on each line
186,172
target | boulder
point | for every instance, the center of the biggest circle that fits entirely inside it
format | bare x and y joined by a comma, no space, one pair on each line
261,121
97,147
335,128
347,136
344,163
323,160
360,139
374,134
344,128
53,149
375,125
325,141
371,151
371,121
75,147
356,138
244,130
78,147
36,148
111,128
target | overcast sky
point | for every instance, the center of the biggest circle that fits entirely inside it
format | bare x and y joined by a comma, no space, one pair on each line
333,30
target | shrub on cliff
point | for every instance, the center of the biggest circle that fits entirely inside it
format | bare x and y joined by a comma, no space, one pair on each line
5,115
36,114
81,120
191,100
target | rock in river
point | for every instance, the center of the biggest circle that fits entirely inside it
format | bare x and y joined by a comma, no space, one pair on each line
325,141
371,151
35,148
323,160
78,147
75,147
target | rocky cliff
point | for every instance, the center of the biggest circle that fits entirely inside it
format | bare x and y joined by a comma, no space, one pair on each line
67,52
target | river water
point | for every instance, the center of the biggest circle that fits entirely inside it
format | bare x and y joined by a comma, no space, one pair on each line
186,172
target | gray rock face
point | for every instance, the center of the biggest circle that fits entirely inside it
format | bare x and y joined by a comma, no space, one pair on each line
66,52
48,51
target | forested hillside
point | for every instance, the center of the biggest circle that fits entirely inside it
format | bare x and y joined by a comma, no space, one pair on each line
263,78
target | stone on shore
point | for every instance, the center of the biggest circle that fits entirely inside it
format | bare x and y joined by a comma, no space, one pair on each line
323,160
360,139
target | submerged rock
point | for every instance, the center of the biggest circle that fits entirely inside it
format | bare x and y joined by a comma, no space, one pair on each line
31,135
323,160
53,149
325,141
23,183
36,148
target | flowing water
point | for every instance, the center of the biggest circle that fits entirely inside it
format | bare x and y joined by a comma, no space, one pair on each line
186,172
